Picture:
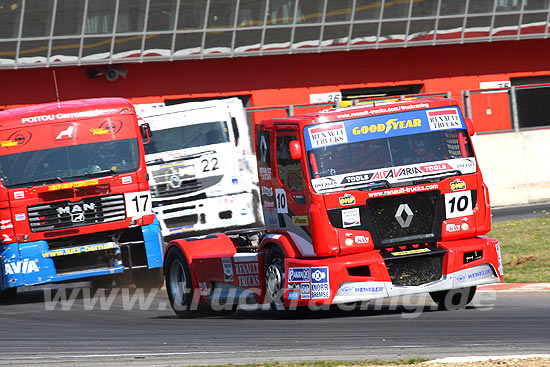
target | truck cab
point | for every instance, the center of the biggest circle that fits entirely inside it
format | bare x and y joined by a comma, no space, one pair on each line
201,167
371,202
74,197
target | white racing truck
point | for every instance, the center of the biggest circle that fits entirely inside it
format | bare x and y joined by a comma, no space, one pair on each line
201,167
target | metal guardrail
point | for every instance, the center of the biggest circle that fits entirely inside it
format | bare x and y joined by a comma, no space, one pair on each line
512,97
290,109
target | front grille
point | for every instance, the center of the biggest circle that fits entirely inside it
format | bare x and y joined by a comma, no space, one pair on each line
415,269
173,185
406,218
67,214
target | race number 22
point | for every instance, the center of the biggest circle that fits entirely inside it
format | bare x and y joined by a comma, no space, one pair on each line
458,204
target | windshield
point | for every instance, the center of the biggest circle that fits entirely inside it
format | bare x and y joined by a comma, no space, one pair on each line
69,162
382,152
187,136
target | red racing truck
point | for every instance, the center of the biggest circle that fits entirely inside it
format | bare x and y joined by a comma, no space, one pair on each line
74,196
359,203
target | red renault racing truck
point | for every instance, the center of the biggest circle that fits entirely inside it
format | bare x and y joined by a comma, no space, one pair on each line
74,196
359,203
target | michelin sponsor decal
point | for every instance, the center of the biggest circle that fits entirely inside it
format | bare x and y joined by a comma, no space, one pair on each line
395,174
382,126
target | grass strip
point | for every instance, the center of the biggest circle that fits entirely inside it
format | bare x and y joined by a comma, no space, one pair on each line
525,248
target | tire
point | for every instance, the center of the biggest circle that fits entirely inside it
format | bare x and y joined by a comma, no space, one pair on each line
148,279
453,299
179,284
8,296
275,279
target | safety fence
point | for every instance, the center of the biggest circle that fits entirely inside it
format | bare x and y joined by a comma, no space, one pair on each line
511,108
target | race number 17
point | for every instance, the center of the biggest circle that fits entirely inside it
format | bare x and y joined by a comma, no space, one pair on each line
458,204
138,203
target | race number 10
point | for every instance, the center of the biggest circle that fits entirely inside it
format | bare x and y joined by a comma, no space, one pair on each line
458,204
280,198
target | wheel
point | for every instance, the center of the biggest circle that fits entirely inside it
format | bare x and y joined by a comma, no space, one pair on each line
179,285
8,296
453,299
275,278
148,279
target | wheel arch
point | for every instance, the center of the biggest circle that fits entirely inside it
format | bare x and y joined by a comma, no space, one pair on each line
280,241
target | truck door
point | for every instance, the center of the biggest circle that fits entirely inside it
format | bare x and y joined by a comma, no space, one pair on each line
290,198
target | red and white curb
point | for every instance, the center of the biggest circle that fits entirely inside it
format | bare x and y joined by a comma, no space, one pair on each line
484,358
516,287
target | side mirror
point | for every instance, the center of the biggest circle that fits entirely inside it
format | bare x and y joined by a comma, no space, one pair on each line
235,130
295,150
470,126
146,132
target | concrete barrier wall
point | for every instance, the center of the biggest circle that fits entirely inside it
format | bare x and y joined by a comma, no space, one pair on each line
515,166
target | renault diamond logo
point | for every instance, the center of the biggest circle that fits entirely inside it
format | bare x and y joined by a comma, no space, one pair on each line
404,223
263,150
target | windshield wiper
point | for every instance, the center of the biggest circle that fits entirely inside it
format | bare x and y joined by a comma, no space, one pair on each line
369,186
436,177
43,181
181,158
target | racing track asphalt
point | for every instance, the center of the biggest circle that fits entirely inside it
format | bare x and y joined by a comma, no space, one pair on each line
121,331
499,322
505,213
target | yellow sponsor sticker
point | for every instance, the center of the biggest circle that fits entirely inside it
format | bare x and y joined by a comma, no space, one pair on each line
80,249
8,143
300,221
70,185
411,252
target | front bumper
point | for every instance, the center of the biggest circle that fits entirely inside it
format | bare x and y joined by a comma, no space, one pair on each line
205,214
34,263
365,276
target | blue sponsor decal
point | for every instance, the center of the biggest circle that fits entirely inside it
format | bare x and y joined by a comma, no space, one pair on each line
320,287
383,126
298,275
293,294
347,289
479,274
305,291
